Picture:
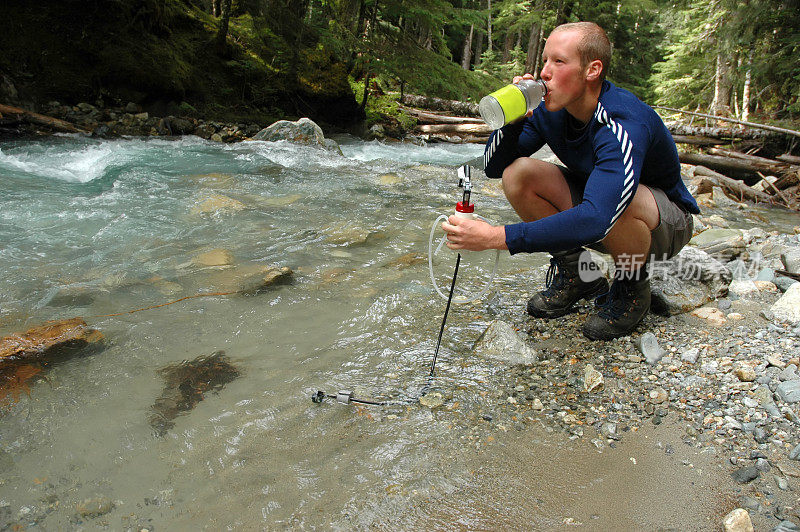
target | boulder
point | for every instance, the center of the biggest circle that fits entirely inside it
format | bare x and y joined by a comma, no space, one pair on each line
722,244
500,342
303,131
689,280
40,341
791,260
787,308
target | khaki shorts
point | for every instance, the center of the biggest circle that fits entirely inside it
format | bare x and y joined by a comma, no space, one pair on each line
674,227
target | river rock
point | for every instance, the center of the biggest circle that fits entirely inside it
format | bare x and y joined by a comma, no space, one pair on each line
789,391
500,342
791,260
738,521
721,199
303,131
745,373
722,244
787,308
39,342
648,346
269,276
689,280
592,379
346,234
217,203
215,258
432,400
784,283
746,474
795,453
94,507
786,526
710,314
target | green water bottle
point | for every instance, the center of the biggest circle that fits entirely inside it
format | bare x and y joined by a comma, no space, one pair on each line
511,102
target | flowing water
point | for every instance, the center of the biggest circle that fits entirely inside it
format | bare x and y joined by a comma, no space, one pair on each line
159,429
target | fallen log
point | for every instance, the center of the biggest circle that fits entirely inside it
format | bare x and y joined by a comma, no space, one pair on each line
737,187
23,115
433,118
756,160
734,121
725,164
791,159
438,104
787,180
697,140
471,129
777,191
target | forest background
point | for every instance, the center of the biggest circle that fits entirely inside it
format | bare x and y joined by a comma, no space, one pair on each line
263,60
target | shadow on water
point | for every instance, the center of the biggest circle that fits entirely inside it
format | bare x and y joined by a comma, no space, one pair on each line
185,385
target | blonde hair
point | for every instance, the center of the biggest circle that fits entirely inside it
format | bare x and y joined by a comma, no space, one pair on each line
593,44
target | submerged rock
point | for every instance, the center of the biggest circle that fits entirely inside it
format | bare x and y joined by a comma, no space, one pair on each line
39,342
217,203
185,385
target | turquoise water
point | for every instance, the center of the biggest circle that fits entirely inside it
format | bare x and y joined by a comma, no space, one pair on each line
93,227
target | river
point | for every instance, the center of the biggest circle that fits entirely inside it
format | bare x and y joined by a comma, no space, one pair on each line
94,227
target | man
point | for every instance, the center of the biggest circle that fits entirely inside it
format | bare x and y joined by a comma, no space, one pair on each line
620,193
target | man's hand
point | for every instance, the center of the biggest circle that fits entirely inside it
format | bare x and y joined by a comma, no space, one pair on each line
473,235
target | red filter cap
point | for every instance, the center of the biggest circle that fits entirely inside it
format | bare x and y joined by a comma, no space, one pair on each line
469,207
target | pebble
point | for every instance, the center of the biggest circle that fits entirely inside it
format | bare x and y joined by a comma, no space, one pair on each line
738,521
795,453
746,474
745,373
648,346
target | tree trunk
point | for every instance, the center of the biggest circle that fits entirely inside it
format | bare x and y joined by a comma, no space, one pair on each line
466,54
489,26
722,87
533,48
215,8
366,93
507,42
478,51
222,32
746,90
475,129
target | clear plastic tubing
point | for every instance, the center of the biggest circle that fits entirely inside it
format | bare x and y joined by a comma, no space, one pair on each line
456,299
512,102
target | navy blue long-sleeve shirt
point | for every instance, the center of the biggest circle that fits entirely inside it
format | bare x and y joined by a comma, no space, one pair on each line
626,143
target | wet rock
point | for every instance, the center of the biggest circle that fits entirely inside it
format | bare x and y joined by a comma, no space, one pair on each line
215,257
789,391
432,400
186,384
687,281
347,234
390,179
406,261
303,131
746,474
609,431
648,346
332,146
738,521
217,204
592,379
94,507
500,342
268,277
787,308
44,340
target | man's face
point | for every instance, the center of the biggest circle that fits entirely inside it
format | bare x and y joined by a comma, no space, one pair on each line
562,71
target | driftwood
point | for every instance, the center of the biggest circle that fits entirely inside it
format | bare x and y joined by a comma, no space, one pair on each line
776,189
23,115
438,104
736,187
774,129
791,159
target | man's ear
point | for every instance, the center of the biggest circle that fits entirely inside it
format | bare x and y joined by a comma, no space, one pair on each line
593,70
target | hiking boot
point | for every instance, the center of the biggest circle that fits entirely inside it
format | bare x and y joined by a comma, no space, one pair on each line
621,309
564,287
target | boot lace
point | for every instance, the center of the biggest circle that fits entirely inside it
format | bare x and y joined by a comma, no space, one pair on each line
555,278
614,303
